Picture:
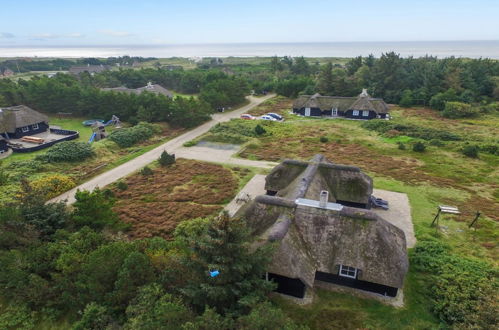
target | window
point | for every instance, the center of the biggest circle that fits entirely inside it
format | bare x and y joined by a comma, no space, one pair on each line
334,112
355,113
25,129
365,113
34,126
348,271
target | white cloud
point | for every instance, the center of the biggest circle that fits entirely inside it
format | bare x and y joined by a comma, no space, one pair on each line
74,35
44,36
6,35
114,33
47,36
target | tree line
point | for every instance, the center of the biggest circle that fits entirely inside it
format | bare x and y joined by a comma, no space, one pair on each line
68,94
408,81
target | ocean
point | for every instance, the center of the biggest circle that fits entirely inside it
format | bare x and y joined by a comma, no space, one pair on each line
441,49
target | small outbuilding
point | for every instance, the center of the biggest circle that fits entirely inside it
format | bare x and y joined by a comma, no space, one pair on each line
317,215
361,107
20,120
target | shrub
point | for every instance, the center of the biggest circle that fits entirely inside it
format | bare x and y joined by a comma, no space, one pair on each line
52,185
324,139
470,151
67,151
127,137
259,130
166,159
459,110
122,185
146,170
401,146
437,143
492,149
419,147
190,143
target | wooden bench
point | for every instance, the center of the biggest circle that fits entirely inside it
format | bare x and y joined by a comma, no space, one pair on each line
32,139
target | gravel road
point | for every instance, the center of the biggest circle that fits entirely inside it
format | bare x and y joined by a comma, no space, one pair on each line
172,146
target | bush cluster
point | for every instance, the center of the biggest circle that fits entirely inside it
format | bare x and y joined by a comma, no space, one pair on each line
461,288
127,137
53,185
166,159
418,147
470,151
425,133
67,151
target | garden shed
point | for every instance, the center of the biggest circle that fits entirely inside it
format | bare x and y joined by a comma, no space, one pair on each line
317,214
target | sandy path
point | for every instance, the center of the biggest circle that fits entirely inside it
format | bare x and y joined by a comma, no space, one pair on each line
172,146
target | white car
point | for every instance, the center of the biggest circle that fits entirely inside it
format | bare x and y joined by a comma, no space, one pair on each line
267,117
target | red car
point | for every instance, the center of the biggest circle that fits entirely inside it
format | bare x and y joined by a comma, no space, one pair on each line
247,116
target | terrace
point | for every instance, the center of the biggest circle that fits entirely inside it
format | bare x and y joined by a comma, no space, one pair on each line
49,138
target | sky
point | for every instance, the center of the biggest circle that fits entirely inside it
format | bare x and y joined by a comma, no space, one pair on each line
165,22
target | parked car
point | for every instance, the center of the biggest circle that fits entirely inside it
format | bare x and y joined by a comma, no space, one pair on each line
246,116
275,115
267,117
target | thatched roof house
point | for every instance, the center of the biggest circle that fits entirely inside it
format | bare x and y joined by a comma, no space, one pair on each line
151,88
91,69
361,107
20,120
318,214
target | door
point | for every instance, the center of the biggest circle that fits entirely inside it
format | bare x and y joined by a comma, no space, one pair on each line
307,112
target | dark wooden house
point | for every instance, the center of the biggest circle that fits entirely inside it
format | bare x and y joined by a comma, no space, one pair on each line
361,107
316,215
20,120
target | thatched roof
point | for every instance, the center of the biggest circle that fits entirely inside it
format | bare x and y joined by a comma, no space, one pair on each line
314,239
152,88
19,116
362,102
88,68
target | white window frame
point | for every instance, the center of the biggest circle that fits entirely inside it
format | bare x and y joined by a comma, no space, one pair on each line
35,126
25,129
355,112
346,271
365,113
334,112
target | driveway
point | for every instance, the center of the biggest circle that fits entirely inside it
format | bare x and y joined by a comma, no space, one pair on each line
172,146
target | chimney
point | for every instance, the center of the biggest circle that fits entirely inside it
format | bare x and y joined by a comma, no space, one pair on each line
323,197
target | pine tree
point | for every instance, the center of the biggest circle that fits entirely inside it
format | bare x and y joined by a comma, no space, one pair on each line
224,245
325,79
